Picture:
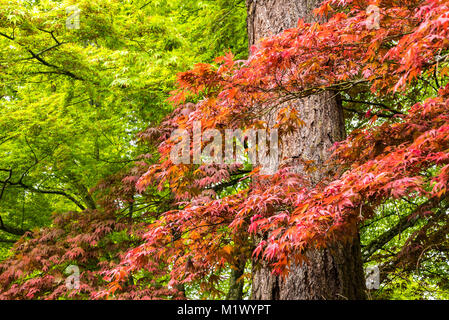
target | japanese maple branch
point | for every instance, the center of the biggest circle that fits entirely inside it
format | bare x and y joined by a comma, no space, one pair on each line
11,230
404,223
374,104
20,183
37,57
7,240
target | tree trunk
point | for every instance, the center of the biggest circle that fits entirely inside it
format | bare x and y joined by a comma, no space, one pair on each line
235,291
337,271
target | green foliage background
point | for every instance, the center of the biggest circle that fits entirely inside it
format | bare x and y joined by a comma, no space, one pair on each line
73,100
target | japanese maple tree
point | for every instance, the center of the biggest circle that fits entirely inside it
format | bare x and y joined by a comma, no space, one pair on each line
404,156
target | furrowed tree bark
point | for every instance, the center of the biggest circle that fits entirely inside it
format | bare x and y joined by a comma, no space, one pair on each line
337,271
